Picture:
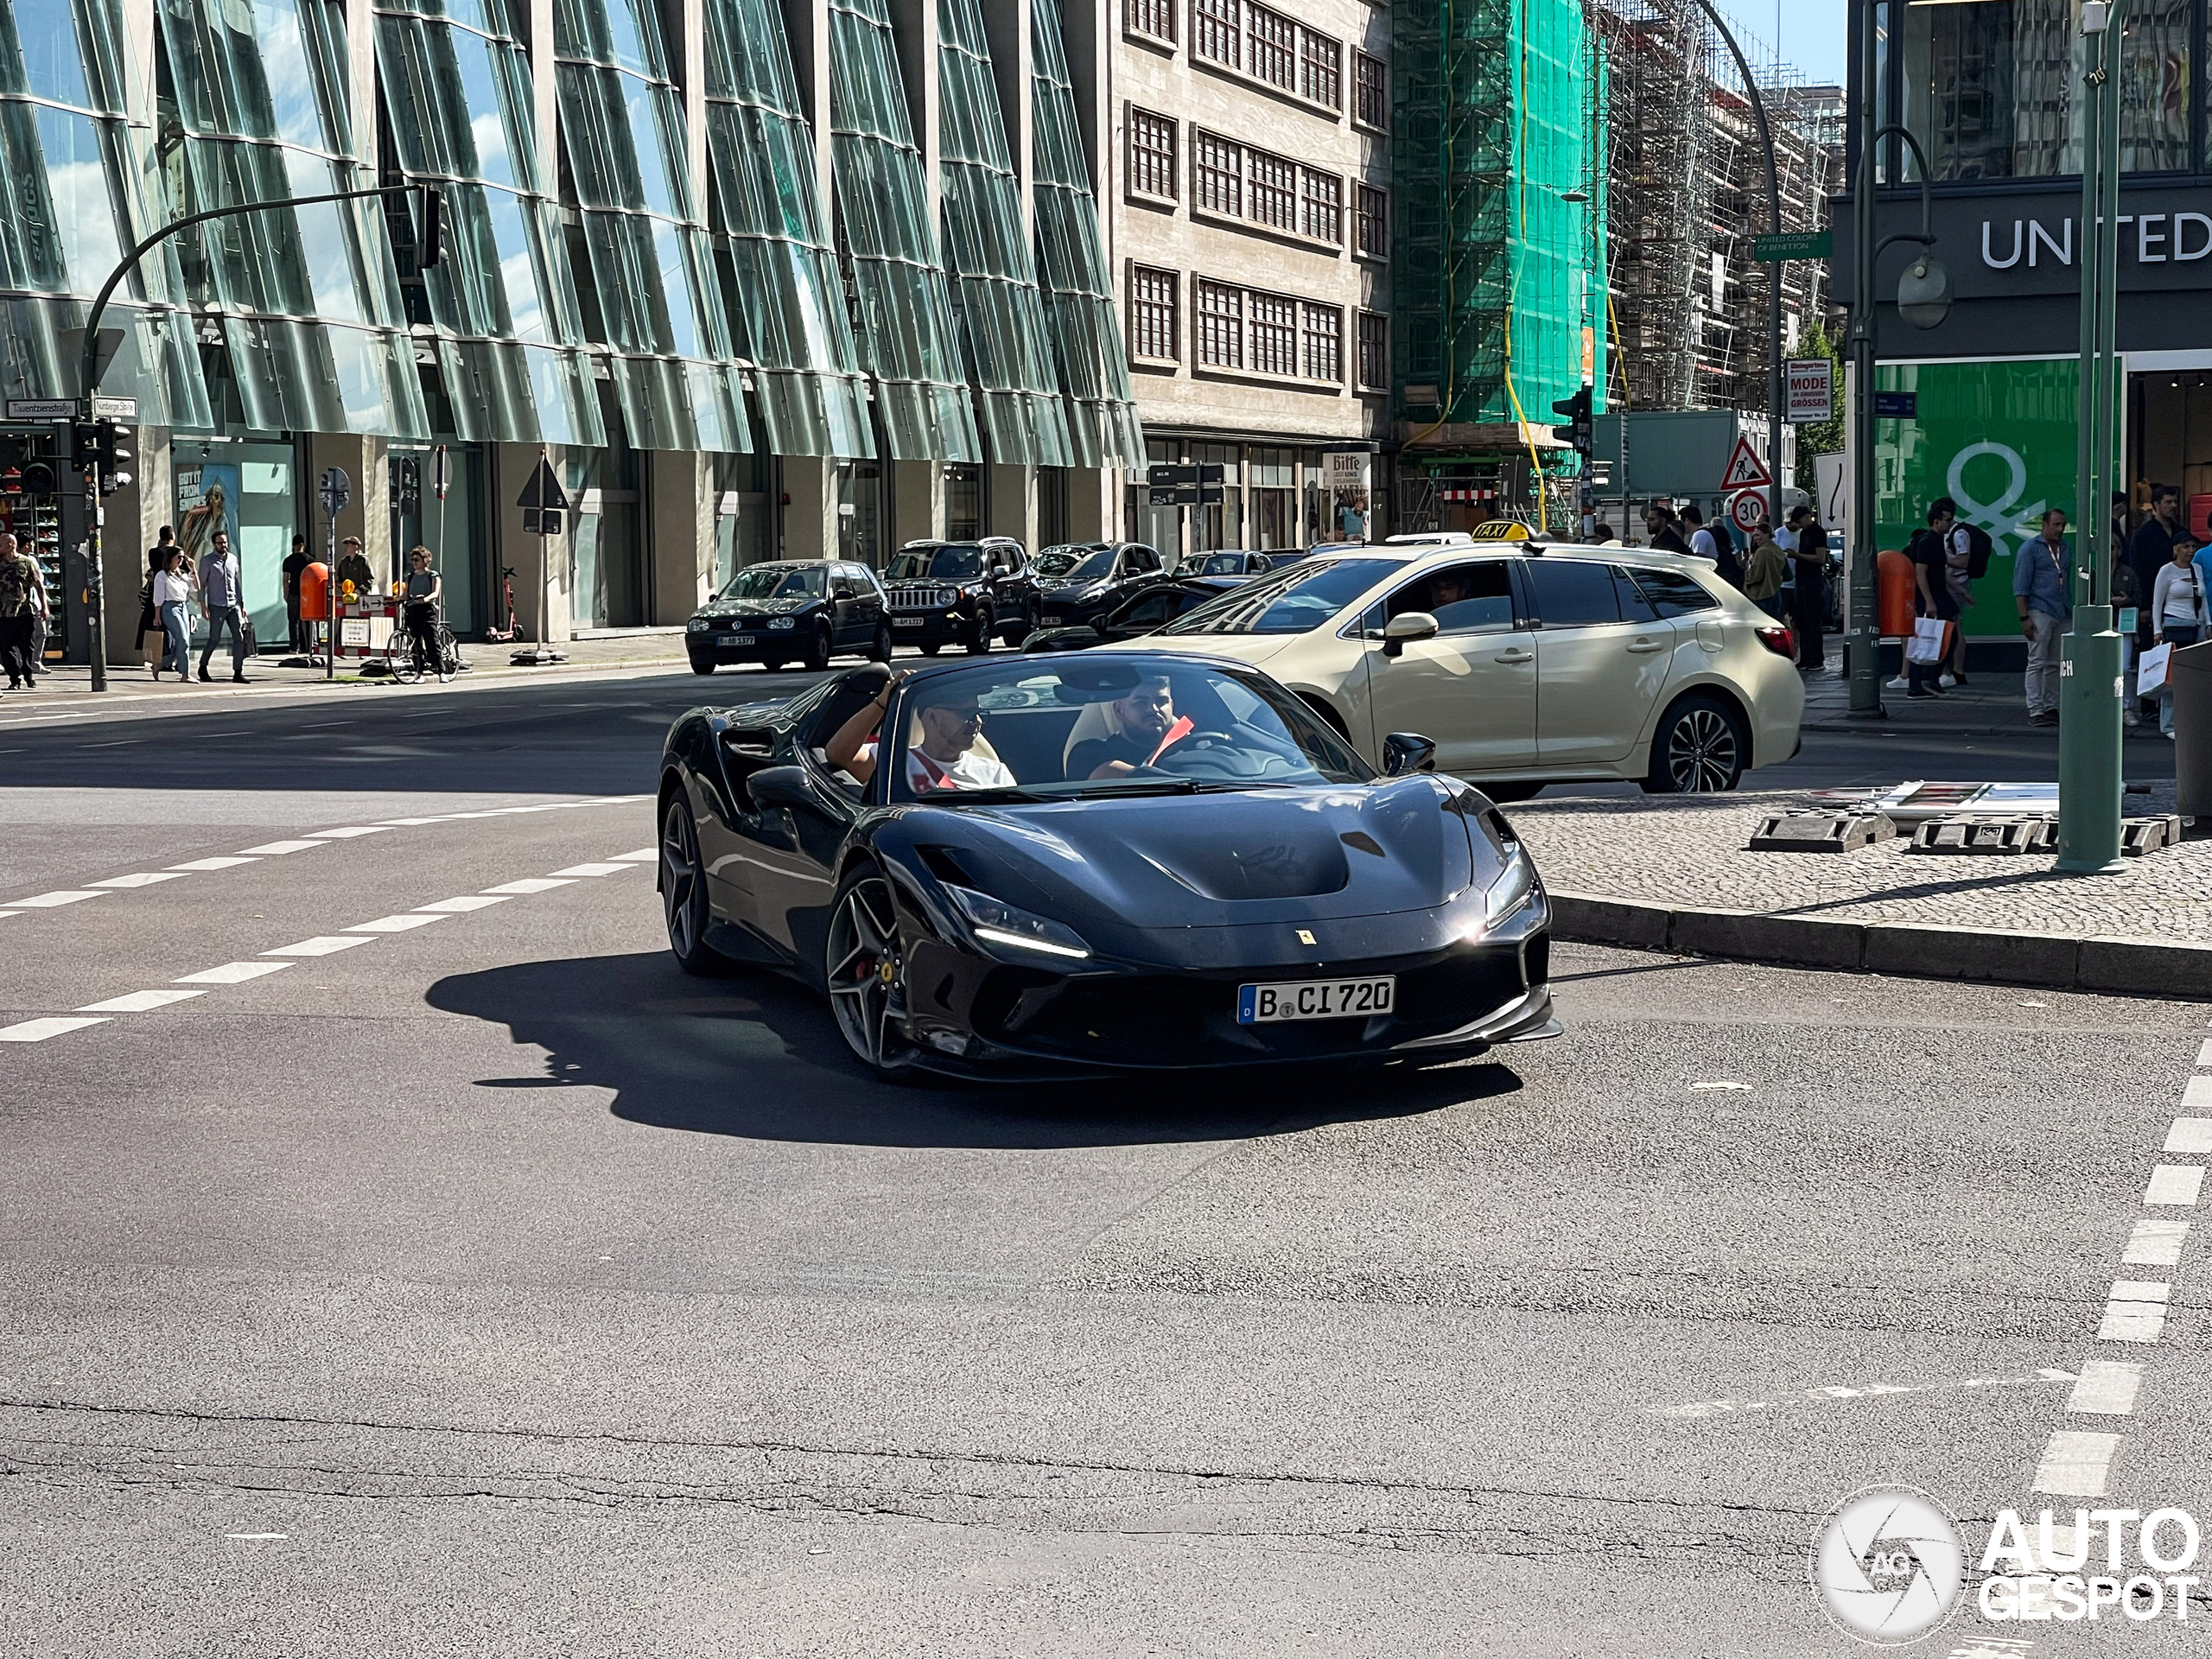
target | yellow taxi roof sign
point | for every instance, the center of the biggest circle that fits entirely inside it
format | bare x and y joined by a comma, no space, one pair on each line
1500,530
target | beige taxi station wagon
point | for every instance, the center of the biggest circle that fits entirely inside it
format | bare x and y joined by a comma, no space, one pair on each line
1525,662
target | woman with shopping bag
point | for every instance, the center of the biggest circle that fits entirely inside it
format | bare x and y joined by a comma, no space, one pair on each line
2178,617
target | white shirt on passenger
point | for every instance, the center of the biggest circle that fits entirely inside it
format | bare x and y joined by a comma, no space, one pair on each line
972,770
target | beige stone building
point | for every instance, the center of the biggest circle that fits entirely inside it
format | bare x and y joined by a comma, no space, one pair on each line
1248,222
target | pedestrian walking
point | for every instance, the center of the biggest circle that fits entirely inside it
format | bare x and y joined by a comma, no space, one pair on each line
222,598
1930,552
1659,523
153,642
1704,544
2149,550
1763,569
2126,596
173,590
1808,558
2040,595
2177,603
295,563
1965,558
353,567
20,589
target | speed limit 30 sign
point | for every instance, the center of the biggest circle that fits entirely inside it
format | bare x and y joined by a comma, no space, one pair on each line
1746,508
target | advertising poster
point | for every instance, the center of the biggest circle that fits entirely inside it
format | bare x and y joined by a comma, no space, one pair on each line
1998,439
207,501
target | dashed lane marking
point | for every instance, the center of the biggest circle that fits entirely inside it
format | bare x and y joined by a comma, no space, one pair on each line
465,902
141,1001
2106,1387
2204,1054
350,832
2135,1313
323,945
2174,1183
142,879
2198,1094
530,884
393,923
2077,1464
2155,1243
1821,1397
50,901
214,863
37,1031
612,868
278,849
232,973
643,856
2189,1135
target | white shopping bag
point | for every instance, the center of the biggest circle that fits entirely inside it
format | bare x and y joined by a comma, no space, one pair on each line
1926,644
2151,672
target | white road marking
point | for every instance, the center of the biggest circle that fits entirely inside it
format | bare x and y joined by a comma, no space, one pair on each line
528,884
594,869
213,863
230,973
323,945
278,849
2155,1243
2189,1135
49,900
37,1031
643,856
1723,1084
406,824
467,901
139,1001
142,879
1821,1397
393,923
2077,1463
2136,1313
2108,1388
2199,1093
257,1537
10,913
2174,1183
350,831
2204,1054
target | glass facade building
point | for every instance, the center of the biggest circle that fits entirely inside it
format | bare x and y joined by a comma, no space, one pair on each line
761,277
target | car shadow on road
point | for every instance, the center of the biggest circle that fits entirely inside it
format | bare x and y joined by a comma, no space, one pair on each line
758,1056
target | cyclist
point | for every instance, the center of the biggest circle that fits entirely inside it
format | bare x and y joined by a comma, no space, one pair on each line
420,595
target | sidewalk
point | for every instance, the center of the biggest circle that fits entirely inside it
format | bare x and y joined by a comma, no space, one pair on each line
1988,705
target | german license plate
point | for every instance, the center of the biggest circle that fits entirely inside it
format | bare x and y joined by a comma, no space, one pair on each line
1315,998
1050,620
733,638
908,621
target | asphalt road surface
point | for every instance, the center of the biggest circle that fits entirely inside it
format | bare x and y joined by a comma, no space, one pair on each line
482,1285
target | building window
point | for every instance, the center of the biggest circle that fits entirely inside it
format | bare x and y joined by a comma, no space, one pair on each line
1216,174
1321,202
1275,189
1321,328
1374,349
1321,69
1371,223
1371,92
1153,17
1155,329
1221,325
1275,333
1214,32
1274,48
1152,153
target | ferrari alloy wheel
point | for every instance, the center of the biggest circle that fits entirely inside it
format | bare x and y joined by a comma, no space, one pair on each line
865,971
1699,749
817,648
683,890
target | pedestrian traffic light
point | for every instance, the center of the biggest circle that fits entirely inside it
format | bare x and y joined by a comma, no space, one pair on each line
84,445
430,246
1579,429
111,456
408,477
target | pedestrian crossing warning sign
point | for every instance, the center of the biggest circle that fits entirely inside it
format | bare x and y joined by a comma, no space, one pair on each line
1744,469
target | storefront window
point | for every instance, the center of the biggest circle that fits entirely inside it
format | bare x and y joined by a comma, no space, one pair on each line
1275,496
1988,88
963,503
1220,525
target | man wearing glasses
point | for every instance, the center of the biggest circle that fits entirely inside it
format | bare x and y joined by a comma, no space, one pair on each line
946,757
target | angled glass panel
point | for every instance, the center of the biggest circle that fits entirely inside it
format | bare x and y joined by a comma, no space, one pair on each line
902,317
987,252
1085,326
457,95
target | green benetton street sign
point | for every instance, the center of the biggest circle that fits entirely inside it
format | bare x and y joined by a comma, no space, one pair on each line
1794,244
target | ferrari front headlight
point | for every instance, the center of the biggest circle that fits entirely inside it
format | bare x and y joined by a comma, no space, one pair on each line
1003,927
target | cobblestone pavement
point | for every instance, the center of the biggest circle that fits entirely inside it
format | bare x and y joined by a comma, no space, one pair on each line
1688,852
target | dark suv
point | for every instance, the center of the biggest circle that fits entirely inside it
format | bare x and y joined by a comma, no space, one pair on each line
1082,580
961,593
795,609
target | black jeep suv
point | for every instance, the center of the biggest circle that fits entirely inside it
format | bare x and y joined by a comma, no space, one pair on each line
961,593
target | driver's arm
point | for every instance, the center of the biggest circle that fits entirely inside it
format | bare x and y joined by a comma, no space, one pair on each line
845,746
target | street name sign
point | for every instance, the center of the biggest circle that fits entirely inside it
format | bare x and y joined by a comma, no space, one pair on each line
42,408
1897,405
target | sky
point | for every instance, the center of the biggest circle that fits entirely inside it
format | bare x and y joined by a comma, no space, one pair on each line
1809,32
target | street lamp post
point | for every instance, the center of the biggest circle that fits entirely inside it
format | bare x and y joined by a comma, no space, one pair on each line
2090,693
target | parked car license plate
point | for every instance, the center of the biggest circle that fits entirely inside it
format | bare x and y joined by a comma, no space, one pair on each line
908,621
733,638
1050,620
1314,999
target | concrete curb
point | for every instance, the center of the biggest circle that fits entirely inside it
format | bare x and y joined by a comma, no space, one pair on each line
2056,962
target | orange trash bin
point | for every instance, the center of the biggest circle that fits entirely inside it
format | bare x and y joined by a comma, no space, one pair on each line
314,592
1896,581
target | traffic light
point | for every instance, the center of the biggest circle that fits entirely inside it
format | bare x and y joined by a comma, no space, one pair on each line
1578,431
110,455
84,445
430,246
409,479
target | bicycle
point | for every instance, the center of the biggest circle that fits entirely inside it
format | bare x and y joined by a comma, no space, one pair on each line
409,656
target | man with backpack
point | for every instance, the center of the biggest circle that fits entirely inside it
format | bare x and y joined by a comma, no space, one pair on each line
1931,553
1967,553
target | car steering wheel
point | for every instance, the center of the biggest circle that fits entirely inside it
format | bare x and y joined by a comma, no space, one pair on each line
1218,753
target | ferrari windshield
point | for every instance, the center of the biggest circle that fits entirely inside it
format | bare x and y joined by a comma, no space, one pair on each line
775,582
1098,724
1075,564
949,562
1294,600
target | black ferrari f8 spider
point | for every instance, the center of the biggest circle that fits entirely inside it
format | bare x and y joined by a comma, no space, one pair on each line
1039,866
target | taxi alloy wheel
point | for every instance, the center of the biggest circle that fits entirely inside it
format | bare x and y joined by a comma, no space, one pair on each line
1700,750
865,971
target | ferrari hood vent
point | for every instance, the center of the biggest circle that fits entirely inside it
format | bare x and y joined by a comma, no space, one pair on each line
1301,861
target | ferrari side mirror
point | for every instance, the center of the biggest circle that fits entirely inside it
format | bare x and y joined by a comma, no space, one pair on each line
1408,752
